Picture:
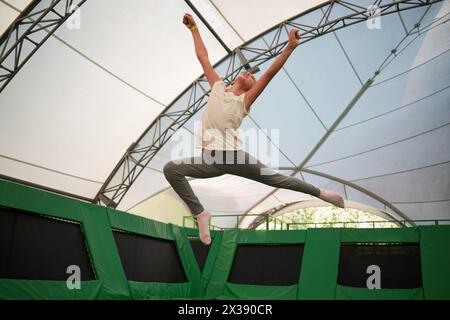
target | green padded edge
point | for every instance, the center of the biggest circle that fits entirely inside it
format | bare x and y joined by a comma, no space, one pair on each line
94,223
318,275
386,235
139,225
223,263
104,253
211,259
159,291
319,270
350,293
189,263
17,196
272,237
252,292
191,232
435,258
222,289
48,290
155,229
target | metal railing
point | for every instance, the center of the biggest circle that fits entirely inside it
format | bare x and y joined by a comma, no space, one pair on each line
267,219
276,223
398,223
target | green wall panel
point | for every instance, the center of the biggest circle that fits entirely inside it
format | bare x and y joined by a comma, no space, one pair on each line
318,277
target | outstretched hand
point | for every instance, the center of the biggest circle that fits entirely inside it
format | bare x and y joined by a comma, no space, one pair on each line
294,39
188,21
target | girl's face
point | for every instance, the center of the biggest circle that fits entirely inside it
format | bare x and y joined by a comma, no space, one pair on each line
246,80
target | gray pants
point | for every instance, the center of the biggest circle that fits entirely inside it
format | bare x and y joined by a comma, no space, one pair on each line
214,163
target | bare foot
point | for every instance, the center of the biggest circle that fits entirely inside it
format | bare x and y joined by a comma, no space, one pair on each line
203,227
332,197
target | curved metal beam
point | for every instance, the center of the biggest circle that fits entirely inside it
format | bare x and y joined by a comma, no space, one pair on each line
348,108
356,187
349,204
319,203
40,23
178,112
360,189
322,140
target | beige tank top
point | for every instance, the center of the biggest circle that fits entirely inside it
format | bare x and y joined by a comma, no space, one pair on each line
222,117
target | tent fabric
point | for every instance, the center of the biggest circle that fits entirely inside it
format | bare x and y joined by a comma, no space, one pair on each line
9,11
87,94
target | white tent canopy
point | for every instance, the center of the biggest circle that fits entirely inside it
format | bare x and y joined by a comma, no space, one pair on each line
88,93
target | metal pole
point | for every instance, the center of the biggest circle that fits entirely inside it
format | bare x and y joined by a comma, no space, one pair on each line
200,16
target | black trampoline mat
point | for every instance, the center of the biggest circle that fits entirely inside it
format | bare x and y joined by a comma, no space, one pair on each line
399,265
147,259
34,247
200,252
267,264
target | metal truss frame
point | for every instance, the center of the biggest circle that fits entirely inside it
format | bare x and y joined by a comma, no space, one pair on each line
34,25
194,98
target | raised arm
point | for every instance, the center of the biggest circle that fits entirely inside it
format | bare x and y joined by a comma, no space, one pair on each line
263,81
200,50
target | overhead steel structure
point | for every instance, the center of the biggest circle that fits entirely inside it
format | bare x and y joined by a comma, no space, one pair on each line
395,68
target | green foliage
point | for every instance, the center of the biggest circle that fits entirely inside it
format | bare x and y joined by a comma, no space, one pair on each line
328,217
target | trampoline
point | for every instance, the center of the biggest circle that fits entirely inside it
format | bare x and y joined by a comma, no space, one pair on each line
123,256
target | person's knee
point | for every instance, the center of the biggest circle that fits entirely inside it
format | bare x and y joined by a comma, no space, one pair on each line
169,169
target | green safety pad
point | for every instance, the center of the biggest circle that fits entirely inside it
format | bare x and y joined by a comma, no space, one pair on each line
189,263
155,229
211,259
223,263
256,292
95,225
435,257
139,225
319,270
398,235
104,253
155,290
318,278
350,293
244,291
272,237
48,290
191,232
18,196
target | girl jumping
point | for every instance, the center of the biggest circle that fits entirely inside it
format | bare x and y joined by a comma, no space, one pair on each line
221,146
